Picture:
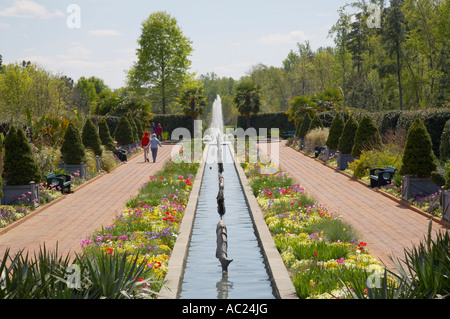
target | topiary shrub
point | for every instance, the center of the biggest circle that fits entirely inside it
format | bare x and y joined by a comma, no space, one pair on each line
447,176
418,157
316,122
124,133
72,149
304,127
105,135
19,167
134,129
366,137
445,143
347,137
140,128
337,125
90,137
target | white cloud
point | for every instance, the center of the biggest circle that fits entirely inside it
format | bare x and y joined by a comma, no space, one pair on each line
105,33
29,9
4,26
284,38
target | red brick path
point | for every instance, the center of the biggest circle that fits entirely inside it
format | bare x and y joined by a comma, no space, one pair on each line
93,205
385,225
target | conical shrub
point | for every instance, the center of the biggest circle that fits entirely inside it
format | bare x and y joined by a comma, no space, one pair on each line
72,149
316,122
19,167
367,136
134,129
418,157
105,135
444,148
304,127
90,137
347,138
337,125
124,133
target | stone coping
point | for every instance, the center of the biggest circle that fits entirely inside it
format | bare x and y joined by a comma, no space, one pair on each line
281,282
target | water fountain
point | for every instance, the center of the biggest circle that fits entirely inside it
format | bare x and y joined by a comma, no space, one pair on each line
221,191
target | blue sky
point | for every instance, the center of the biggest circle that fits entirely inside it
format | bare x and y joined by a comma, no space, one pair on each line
228,36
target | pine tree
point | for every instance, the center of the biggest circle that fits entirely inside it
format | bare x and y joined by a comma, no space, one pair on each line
105,135
347,138
337,125
91,138
124,134
72,149
418,157
20,167
366,137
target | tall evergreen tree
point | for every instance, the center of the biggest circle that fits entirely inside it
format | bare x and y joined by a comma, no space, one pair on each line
105,135
337,125
19,167
124,133
72,149
418,157
348,136
91,138
366,137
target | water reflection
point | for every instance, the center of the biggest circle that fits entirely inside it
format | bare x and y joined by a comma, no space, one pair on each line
223,286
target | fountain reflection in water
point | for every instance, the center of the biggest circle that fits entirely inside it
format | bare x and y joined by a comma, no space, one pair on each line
247,276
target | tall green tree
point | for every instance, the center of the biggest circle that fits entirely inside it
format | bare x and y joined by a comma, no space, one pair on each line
90,137
193,100
247,99
393,31
72,148
162,59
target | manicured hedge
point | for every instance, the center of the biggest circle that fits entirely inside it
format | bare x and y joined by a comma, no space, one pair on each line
268,120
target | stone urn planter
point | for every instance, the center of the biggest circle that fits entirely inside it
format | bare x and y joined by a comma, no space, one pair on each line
343,160
13,194
446,205
415,186
81,168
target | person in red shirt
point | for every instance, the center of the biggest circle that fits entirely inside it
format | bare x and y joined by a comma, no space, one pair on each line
158,132
145,143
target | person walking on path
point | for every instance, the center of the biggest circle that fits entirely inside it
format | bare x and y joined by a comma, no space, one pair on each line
153,128
158,131
154,142
145,144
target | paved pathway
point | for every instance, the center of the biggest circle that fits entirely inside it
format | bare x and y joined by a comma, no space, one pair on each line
385,225
79,214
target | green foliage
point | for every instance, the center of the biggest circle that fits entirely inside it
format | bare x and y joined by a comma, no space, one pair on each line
445,143
124,133
304,126
134,129
105,135
347,137
366,137
418,157
247,99
162,47
72,149
19,167
315,122
334,230
277,120
447,176
91,138
337,125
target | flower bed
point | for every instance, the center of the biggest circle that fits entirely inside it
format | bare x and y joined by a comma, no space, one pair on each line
320,250
148,227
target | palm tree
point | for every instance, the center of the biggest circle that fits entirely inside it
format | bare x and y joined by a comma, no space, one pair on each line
193,100
247,99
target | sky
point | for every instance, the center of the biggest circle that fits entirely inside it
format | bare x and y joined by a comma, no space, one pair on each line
99,37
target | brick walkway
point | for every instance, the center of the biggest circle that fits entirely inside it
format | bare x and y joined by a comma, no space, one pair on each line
385,225
79,214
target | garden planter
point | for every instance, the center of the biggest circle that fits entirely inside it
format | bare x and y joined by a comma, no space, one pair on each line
446,205
343,160
98,163
15,194
417,186
327,154
70,169
301,144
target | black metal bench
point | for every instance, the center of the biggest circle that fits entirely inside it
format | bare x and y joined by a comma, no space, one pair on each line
287,134
61,181
381,176
318,150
